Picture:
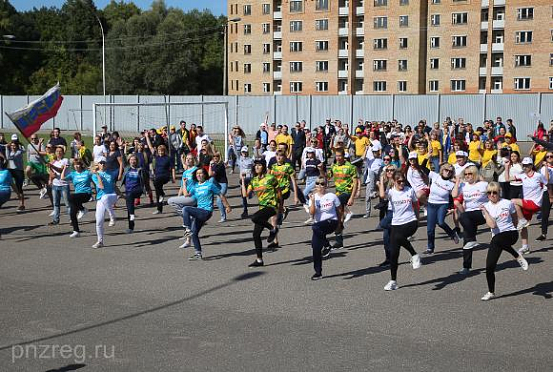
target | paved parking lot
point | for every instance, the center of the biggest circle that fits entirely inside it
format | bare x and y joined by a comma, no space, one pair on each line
139,305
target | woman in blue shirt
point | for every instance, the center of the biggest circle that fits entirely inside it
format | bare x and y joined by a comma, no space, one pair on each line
218,171
81,179
133,179
105,199
195,217
5,185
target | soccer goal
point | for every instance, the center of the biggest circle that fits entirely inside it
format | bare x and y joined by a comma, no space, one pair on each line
132,118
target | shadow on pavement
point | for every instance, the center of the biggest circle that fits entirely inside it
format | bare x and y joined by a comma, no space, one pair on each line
542,289
70,367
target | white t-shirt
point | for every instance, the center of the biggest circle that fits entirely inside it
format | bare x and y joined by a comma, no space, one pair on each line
415,179
268,156
514,172
325,207
501,212
440,189
97,151
532,187
199,140
550,170
369,151
402,205
318,155
474,195
59,164
460,168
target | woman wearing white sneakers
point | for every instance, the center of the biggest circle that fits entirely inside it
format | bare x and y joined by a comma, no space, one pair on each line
533,184
105,199
405,207
501,217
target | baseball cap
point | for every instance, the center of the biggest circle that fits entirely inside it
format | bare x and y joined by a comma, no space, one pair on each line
15,137
310,149
527,161
101,159
358,130
104,126
508,135
461,154
262,124
377,147
413,155
244,149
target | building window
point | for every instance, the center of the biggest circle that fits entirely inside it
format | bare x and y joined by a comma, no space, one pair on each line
402,86
266,87
247,29
247,49
435,42
266,28
523,37
522,83
247,10
321,4
379,86
435,20
551,59
402,43
459,41
321,24
296,46
247,68
458,63
403,21
296,6
321,66
380,22
296,86
403,2
247,88
266,8
321,45
458,85
380,65
321,86
525,14
380,43
523,60
266,67
551,82
266,48
380,2
433,85
402,65
459,18
434,63
295,26
296,66
436,2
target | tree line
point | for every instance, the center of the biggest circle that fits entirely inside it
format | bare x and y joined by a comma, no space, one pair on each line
158,51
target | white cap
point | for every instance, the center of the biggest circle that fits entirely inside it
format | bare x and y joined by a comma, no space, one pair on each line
461,154
309,149
377,147
527,161
15,137
101,159
413,155
244,149
262,124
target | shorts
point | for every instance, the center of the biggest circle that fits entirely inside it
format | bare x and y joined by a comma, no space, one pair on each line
285,195
529,208
344,198
457,199
37,167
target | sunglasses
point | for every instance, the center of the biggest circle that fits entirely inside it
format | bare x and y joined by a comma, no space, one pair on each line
389,170
492,193
549,156
319,183
387,159
448,170
469,174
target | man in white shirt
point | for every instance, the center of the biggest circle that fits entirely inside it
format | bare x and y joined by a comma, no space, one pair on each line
98,151
200,136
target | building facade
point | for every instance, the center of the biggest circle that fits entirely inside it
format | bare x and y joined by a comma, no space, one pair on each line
390,46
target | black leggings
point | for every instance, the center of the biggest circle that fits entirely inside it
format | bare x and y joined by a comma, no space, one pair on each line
545,212
18,178
398,239
318,241
261,221
130,196
500,242
75,205
470,222
158,185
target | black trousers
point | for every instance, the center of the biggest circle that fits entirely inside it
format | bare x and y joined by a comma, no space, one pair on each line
545,212
296,156
470,222
75,205
318,241
500,242
130,196
261,221
398,239
158,185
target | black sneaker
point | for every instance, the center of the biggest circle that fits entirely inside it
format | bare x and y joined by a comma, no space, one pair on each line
244,215
273,245
317,276
256,263
197,257
325,252
272,235
428,252
464,271
384,263
541,237
286,211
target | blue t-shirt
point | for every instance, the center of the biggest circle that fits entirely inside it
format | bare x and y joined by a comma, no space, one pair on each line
163,166
81,181
107,180
203,194
264,137
5,181
132,180
189,176
312,167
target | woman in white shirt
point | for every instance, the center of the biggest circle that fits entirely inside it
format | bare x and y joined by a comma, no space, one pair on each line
405,208
501,217
514,169
546,171
60,187
324,207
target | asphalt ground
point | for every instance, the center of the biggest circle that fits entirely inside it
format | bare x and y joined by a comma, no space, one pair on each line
139,305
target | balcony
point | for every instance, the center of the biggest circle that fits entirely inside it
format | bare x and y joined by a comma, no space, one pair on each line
482,71
277,92
277,15
343,92
343,53
277,55
484,25
360,53
343,11
359,74
497,47
342,74
277,35
277,75
497,91
483,48
360,10
498,24
343,31
359,31
499,3
497,71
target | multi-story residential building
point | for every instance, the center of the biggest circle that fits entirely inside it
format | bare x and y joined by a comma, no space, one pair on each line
390,46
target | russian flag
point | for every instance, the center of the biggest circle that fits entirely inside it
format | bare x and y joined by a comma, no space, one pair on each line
30,118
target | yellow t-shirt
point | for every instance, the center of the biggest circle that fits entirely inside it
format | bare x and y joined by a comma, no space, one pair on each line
474,153
512,146
487,156
436,147
538,157
421,158
284,138
360,145
452,158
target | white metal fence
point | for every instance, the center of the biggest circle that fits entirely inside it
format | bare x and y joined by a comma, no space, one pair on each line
249,111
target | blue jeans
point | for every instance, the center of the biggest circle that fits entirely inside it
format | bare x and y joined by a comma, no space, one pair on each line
386,225
436,215
435,160
57,193
194,218
318,241
309,185
224,188
232,154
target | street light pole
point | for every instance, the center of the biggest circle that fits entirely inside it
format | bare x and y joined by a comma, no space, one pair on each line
103,64
225,57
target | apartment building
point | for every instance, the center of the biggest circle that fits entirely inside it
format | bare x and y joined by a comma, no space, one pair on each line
389,46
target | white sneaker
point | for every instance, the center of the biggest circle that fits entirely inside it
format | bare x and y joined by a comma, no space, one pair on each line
523,263
522,224
488,296
111,222
51,214
416,261
185,244
306,208
81,214
25,183
222,220
349,215
524,250
391,286
156,212
131,217
424,212
471,245
455,237
309,221
98,245
43,193
75,234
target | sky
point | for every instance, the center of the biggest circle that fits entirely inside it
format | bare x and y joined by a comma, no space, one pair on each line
217,7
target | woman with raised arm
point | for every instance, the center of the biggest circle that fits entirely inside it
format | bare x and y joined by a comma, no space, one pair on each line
81,178
218,172
133,180
164,170
59,187
387,180
105,198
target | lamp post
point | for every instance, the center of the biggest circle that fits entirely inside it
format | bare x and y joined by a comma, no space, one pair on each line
225,62
103,54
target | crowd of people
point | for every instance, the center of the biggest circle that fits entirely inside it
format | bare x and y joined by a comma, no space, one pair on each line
475,174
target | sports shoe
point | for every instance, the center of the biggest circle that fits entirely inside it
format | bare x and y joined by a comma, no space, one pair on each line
160,199
416,261
325,252
156,212
272,235
428,252
488,296
391,286
317,276
197,257
21,208
51,214
98,245
455,237
185,244
522,262
43,193
337,246
522,224
244,215
82,213
524,250
111,222
25,183
464,271
348,217
471,245
366,215
131,217
129,231
75,234
187,232
286,211
309,221
256,263
541,237
306,208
